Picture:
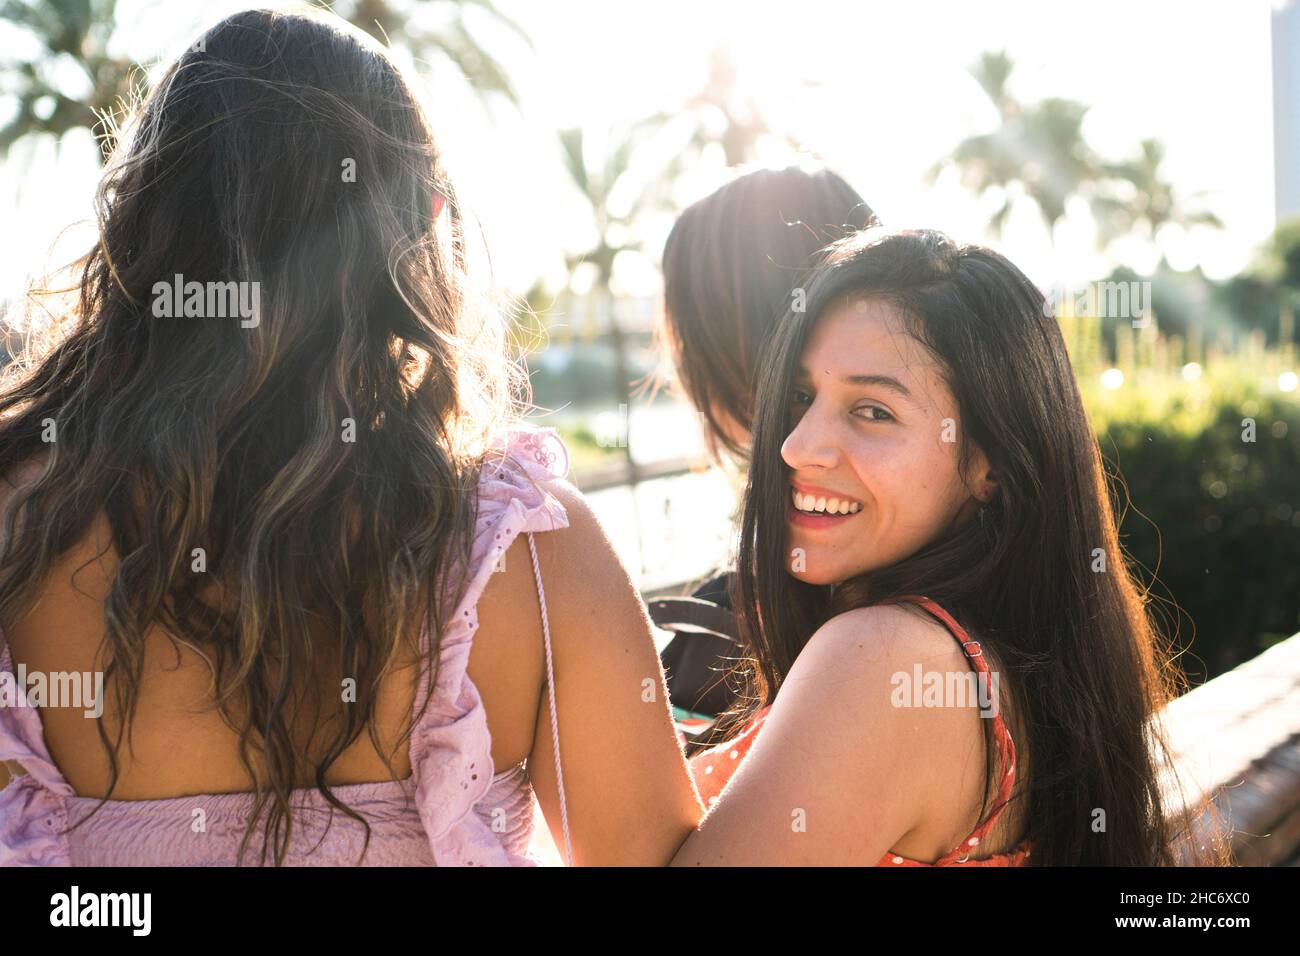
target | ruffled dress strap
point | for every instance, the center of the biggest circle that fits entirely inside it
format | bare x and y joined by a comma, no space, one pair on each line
451,748
33,806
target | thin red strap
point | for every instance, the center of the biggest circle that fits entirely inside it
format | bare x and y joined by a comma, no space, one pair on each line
1006,747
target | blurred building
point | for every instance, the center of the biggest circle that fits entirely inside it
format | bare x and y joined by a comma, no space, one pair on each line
1286,110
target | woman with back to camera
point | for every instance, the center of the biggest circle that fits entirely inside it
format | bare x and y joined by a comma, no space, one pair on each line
306,548
730,264
927,499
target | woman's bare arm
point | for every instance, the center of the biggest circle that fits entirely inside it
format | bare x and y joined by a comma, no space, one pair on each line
631,800
838,774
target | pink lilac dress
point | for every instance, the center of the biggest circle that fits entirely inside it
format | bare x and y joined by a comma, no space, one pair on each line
455,809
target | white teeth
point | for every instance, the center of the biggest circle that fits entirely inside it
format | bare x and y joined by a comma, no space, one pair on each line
815,505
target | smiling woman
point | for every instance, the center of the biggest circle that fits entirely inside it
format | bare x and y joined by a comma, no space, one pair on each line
924,387
873,444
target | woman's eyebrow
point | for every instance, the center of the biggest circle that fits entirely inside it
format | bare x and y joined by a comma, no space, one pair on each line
884,381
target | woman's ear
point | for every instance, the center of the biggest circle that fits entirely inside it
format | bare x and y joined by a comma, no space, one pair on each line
439,200
983,479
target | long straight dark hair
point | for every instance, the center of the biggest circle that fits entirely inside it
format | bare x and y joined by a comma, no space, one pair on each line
211,433
1078,652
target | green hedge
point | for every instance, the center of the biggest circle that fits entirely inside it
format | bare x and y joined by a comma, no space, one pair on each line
1216,517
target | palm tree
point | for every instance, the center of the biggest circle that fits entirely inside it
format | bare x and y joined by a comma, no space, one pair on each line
1037,151
451,38
75,32
604,171
619,191
726,114
1060,163
1153,204
80,33
991,161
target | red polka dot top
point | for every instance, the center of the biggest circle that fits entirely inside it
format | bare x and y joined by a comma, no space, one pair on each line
713,768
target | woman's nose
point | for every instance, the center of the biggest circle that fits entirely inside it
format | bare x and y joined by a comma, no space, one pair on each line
811,443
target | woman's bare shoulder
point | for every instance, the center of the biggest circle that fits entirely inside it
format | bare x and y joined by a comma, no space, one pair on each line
849,677
580,557
582,520
885,635
580,568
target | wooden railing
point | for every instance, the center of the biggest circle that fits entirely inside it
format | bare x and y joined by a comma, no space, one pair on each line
1236,739
620,473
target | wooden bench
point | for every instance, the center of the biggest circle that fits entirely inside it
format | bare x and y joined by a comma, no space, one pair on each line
1237,738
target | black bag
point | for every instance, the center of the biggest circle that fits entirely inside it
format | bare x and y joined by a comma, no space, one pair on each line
706,646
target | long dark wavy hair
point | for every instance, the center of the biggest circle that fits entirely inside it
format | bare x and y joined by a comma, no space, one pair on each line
1077,649
214,433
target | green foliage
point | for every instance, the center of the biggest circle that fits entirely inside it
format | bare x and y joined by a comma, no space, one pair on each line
1214,516
585,450
1282,255
1038,152
74,36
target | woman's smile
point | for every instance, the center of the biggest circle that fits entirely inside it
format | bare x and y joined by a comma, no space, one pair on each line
813,507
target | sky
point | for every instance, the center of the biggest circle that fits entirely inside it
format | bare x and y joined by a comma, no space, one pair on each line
878,92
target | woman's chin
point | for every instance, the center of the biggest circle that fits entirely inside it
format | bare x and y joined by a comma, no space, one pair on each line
815,567
811,577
